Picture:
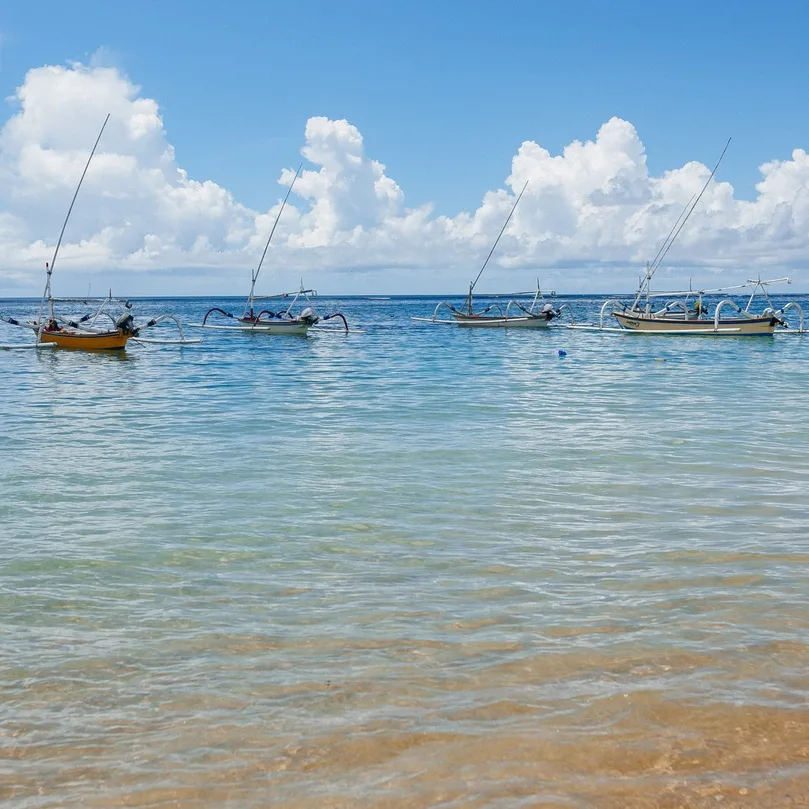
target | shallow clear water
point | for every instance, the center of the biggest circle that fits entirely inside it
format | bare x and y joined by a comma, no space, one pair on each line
412,566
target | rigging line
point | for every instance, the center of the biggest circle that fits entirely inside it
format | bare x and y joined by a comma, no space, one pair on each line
46,294
502,231
673,228
645,281
691,209
747,285
275,225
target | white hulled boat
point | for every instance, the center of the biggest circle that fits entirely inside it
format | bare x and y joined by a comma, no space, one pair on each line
273,321
515,316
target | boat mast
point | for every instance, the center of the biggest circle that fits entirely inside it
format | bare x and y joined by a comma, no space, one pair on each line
468,303
674,233
644,282
251,296
47,295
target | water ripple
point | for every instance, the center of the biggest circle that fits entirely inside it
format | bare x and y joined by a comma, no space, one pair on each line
413,566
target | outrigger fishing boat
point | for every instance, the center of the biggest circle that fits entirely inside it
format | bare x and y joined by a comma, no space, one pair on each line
82,332
686,312
281,321
85,332
268,321
538,315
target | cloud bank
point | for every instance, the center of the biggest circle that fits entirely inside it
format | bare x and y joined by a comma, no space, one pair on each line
591,210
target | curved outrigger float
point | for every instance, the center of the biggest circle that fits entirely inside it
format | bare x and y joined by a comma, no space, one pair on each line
85,333
267,321
526,318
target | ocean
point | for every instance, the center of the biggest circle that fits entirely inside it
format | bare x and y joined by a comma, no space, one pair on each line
408,566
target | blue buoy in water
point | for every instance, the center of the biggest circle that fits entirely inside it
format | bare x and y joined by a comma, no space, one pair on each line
562,353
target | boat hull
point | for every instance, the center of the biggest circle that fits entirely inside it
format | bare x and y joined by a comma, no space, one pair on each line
85,341
730,326
500,322
298,327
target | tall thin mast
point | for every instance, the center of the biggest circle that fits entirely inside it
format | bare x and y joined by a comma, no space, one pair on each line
675,232
269,239
46,295
502,231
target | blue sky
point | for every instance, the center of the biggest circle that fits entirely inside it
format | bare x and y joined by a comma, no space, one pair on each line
443,93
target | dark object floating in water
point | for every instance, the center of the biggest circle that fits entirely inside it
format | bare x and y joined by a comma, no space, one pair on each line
562,353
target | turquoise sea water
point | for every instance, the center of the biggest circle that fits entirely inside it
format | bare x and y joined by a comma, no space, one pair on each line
409,566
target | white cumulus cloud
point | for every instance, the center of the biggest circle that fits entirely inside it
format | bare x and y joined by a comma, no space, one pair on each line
593,211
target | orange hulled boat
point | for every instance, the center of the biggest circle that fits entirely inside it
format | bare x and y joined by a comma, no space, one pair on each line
81,332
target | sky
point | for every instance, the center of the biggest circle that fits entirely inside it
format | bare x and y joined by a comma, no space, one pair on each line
417,124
